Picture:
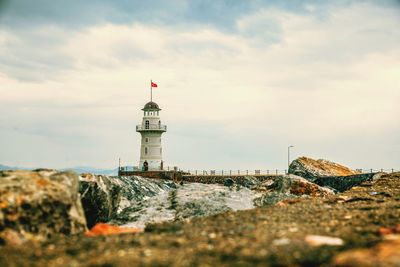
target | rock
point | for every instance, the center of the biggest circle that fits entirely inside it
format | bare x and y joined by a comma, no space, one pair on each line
245,181
281,242
38,205
312,169
390,230
291,186
343,183
249,182
295,185
113,199
100,197
386,253
11,238
135,201
108,229
272,198
319,240
229,182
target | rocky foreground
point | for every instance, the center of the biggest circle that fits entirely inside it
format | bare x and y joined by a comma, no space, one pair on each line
359,227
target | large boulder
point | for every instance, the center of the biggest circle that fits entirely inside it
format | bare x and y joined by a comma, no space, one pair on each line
38,205
312,169
386,253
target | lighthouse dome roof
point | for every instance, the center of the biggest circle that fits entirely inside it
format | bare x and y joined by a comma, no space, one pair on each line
151,106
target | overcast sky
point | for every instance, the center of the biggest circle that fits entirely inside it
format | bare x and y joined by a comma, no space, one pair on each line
239,81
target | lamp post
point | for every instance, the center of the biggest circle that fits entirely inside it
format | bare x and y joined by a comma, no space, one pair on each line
288,156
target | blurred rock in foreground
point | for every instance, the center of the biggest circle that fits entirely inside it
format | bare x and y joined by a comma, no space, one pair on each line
384,254
308,232
312,169
37,205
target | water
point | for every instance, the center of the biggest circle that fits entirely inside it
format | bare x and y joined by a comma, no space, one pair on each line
147,200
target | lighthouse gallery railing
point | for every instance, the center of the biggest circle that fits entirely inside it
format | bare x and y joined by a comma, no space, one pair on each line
151,127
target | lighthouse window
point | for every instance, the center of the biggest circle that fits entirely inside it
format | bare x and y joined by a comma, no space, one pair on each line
159,124
145,150
147,124
147,139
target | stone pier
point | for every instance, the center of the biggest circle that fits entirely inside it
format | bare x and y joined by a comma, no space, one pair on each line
169,175
179,176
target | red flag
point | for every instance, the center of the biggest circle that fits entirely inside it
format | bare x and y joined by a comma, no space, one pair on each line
153,84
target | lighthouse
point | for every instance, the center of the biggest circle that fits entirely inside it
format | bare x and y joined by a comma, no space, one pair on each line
151,130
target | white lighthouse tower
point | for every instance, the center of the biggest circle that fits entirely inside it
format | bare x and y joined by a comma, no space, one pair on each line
151,130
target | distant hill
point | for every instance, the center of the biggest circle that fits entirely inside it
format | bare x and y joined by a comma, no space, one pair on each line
84,169
79,170
4,167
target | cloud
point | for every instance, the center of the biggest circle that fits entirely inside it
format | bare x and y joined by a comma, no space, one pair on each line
74,13
219,14
233,98
34,54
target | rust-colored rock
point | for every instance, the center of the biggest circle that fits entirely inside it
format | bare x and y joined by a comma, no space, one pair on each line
298,186
384,254
288,188
303,187
390,230
312,169
108,229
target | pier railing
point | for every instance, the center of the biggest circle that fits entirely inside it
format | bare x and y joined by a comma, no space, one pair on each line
378,170
235,172
268,172
244,172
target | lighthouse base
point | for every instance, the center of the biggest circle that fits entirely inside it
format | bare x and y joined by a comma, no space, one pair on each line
154,165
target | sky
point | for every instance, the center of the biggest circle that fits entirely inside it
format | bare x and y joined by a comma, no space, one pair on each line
238,82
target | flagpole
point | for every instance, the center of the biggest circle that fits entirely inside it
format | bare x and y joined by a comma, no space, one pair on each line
151,90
